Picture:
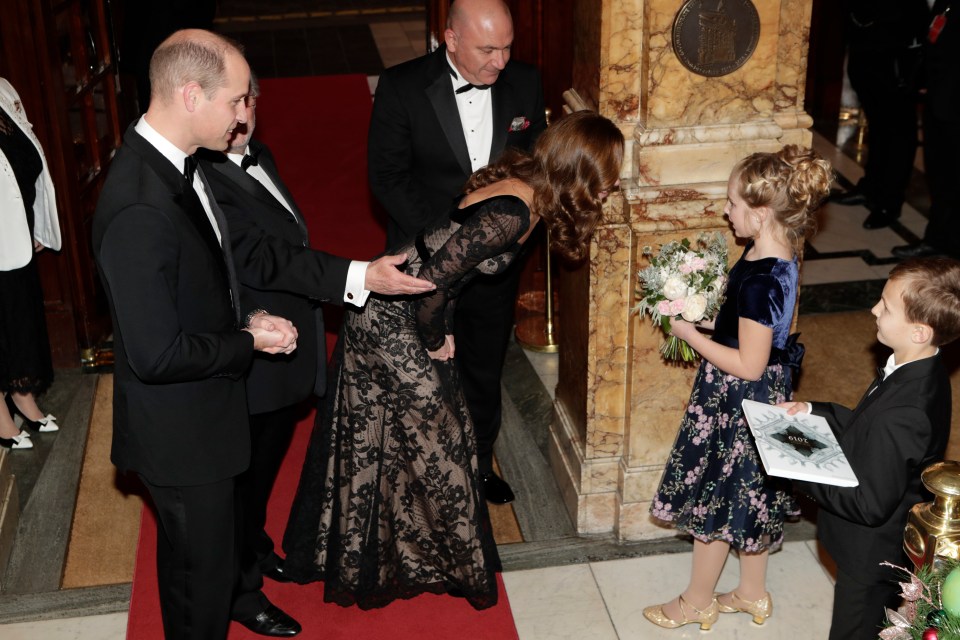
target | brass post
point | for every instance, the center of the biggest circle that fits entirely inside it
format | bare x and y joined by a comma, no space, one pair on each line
933,528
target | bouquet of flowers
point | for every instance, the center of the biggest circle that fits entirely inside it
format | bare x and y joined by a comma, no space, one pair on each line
686,282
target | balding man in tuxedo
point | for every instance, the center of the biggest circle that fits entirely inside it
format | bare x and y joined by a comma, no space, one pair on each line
436,120
182,345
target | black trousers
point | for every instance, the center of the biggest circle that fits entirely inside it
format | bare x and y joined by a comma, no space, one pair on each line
482,324
270,435
858,606
883,81
196,558
942,165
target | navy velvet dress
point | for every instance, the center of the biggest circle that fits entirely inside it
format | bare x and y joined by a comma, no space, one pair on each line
714,486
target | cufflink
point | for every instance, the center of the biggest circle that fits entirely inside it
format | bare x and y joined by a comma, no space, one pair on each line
349,296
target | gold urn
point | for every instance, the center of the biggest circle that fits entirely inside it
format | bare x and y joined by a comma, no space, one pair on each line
933,528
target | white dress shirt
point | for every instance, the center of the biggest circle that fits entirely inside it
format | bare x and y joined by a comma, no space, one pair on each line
476,118
354,293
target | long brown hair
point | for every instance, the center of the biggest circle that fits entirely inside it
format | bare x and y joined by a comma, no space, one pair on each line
572,163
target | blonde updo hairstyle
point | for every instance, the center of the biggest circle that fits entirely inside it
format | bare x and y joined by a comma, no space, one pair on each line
792,183
573,162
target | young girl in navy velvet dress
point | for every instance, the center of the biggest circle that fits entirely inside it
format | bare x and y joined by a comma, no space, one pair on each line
714,486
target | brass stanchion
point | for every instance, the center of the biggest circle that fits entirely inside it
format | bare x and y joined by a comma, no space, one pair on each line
933,528
537,332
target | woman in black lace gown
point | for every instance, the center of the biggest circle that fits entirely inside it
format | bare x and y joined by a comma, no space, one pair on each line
388,505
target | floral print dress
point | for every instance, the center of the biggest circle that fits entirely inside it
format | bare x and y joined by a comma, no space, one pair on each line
714,486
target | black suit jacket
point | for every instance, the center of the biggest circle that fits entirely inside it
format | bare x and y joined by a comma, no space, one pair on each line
416,151
179,406
278,272
942,60
890,438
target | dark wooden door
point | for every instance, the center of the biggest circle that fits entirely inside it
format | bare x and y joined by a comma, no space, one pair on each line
58,54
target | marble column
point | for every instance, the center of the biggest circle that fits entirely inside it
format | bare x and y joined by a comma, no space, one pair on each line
618,406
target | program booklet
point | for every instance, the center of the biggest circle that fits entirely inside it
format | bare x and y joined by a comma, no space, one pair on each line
801,447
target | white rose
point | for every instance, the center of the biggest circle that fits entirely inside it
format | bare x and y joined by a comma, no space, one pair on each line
694,308
674,288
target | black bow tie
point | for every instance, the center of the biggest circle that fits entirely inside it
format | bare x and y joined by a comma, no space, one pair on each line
468,86
189,168
250,159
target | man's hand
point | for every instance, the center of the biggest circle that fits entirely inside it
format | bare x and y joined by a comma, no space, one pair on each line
382,276
446,352
272,334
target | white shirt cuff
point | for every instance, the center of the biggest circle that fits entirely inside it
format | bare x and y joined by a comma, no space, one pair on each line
355,294
809,407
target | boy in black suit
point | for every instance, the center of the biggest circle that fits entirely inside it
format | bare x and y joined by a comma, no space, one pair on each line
898,429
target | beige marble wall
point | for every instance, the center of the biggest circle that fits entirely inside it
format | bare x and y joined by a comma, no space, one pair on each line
613,431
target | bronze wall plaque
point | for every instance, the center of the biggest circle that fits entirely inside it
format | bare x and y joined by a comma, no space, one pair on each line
715,37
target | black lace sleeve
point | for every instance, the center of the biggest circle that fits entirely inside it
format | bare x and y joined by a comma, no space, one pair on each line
495,227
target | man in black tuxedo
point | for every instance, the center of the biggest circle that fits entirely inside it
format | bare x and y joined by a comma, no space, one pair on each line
941,136
182,346
279,272
883,63
436,120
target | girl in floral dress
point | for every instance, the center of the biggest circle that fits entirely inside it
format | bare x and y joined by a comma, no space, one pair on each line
714,486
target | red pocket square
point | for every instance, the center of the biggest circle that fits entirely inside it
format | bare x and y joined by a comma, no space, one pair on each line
518,124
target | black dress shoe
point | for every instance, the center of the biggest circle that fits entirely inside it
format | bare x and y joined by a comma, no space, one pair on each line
916,250
272,622
275,572
880,218
848,198
495,489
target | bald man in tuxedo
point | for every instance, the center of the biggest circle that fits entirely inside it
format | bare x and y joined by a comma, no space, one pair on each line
436,120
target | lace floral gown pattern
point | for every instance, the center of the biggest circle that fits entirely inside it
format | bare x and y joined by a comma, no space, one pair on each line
714,486
388,504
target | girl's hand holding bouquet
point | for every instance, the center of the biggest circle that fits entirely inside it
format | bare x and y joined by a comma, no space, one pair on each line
682,282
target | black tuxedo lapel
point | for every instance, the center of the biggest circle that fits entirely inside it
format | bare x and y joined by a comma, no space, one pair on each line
909,371
182,191
226,248
243,180
268,165
504,111
440,94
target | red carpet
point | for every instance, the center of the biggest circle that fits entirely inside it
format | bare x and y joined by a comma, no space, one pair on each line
317,129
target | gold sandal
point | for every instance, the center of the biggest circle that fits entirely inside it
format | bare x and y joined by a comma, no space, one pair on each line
760,609
705,618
